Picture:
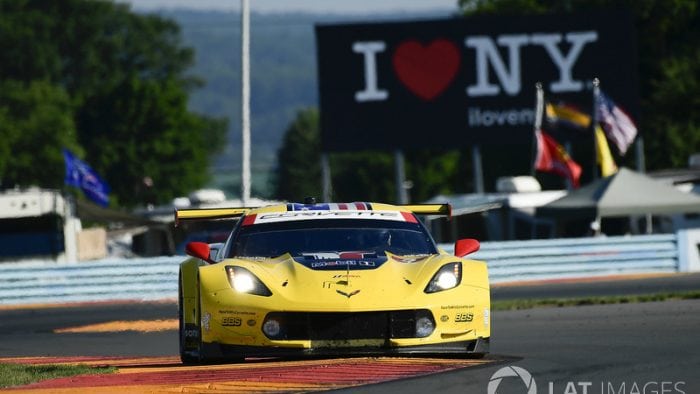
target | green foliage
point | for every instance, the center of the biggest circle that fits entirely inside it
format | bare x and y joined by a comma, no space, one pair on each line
299,159
110,81
363,176
20,374
668,39
145,124
35,124
432,173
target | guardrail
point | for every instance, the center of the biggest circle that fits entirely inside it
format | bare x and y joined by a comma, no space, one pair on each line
156,278
511,261
102,280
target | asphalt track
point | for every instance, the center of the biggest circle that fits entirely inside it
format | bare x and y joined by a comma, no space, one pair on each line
647,348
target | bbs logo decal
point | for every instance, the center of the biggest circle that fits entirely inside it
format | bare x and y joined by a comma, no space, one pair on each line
464,317
231,321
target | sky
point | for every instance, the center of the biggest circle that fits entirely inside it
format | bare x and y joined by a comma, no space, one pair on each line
314,6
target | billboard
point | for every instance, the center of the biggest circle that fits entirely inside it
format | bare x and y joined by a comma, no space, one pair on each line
456,82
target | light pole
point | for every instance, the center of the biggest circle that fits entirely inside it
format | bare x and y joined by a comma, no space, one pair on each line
245,102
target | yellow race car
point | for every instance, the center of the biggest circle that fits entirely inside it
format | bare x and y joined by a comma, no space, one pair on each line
330,279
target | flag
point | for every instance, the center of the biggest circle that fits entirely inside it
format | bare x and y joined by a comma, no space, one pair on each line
79,174
552,157
618,126
567,114
603,155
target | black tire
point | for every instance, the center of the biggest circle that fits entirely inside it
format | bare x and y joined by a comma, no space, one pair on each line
202,354
187,357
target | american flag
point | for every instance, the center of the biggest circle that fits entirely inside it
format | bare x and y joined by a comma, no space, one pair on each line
618,126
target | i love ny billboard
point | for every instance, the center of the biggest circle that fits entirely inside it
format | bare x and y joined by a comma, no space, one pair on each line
456,82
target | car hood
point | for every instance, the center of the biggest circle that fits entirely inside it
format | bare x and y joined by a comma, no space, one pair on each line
392,282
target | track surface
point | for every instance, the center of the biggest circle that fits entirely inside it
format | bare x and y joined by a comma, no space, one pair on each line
599,287
608,345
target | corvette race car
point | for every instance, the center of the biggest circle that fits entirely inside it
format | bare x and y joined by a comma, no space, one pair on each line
330,279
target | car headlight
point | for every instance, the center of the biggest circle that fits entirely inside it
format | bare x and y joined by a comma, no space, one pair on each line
447,277
243,281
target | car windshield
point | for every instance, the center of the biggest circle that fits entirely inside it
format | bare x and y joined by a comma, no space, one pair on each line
306,237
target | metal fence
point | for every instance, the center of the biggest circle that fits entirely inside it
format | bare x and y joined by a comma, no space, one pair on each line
512,261
156,278
102,280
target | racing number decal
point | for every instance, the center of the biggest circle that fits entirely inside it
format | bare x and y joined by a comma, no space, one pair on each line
464,317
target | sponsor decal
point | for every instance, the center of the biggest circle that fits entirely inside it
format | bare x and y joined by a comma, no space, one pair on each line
353,255
231,321
346,276
191,331
486,317
457,307
227,312
444,318
343,263
191,336
464,317
314,215
206,318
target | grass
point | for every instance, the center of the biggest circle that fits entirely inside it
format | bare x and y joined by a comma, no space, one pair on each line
21,374
562,302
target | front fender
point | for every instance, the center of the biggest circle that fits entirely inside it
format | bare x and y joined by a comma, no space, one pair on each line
189,290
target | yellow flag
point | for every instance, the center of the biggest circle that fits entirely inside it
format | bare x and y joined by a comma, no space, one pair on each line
603,155
567,114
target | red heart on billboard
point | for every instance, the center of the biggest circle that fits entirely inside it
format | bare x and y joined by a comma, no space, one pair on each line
426,70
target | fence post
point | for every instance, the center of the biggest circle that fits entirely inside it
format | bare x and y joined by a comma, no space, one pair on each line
688,250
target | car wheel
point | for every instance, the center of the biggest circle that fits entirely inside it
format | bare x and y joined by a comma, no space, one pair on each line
187,355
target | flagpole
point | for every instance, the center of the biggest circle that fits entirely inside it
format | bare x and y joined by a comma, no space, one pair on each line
245,103
537,125
594,122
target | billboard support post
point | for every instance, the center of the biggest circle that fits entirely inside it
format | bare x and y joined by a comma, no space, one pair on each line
478,173
641,161
325,177
400,172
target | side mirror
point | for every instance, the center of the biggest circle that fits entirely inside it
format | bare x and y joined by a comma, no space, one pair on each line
465,246
199,250
214,250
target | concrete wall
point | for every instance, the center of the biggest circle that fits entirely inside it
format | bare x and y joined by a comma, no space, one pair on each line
92,244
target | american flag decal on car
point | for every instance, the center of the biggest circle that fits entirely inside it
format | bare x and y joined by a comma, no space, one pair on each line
359,206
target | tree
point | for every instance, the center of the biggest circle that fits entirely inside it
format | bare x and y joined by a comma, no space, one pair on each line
144,137
126,84
668,37
299,158
34,120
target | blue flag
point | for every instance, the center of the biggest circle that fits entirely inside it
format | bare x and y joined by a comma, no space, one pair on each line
79,174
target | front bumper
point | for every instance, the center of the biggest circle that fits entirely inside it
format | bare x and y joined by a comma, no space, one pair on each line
475,348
